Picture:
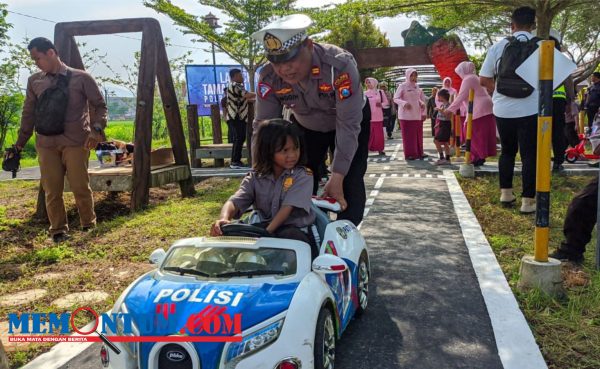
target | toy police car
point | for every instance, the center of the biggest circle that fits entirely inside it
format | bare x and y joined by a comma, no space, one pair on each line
289,311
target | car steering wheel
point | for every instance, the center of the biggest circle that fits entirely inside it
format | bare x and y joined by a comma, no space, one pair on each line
244,230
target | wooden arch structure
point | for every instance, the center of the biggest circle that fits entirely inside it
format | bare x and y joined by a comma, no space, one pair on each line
154,66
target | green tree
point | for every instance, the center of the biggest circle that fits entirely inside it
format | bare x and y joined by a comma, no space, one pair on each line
244,18
482,21
362,33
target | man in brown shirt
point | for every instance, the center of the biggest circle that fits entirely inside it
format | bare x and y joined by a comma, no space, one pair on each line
66,153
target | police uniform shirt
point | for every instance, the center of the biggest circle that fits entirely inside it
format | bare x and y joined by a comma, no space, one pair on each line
332,100
267,194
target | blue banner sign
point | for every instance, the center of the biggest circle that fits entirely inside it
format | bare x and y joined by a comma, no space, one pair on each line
203,90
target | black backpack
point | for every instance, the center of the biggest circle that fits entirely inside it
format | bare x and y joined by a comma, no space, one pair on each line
11,161
508,82
51,107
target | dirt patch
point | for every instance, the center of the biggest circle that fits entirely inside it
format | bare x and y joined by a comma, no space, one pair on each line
80,298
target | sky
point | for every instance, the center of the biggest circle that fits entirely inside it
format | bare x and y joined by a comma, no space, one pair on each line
33,18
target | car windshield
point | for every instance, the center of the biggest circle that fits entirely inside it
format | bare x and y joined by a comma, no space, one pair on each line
227,262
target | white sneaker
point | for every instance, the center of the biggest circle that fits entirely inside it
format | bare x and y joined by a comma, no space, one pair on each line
528,205
507,197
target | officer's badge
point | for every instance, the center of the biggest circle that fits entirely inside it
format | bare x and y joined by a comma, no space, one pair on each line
344,90
264,89
288,183
315,70
325,87
284,91
342,79
272,44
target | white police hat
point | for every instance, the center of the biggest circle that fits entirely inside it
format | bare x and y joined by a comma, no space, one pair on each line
282,38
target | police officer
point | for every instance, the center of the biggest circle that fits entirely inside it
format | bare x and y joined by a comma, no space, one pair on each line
320,84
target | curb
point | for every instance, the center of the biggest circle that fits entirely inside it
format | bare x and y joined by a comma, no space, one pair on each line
515,341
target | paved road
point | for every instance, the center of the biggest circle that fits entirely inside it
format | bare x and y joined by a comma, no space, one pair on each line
426,309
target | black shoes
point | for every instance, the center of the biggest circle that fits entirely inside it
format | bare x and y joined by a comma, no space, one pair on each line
565,256
60,237
557,168
238,165
479,162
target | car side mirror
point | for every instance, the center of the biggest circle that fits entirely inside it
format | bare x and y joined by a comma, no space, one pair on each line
329,264
157,256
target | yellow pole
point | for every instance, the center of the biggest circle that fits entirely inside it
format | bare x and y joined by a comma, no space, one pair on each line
469,126
457,131
544,141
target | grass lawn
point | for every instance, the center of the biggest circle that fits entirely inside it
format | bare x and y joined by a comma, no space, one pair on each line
106,259
567,330
122,130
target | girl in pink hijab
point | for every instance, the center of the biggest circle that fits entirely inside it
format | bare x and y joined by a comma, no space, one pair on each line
411,101
376,100
483,142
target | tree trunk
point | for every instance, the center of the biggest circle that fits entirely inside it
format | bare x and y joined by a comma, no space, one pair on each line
544,20
3,357
251,78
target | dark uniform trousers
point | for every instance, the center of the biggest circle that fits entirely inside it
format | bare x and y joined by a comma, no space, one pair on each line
591,114
580,219
518,135
559,140
239,136
317,144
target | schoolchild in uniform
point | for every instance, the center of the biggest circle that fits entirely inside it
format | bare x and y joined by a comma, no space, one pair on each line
443,128
278,186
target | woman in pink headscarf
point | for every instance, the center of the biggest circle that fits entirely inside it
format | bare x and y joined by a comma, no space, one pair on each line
411,102
447,85
483,142
376,100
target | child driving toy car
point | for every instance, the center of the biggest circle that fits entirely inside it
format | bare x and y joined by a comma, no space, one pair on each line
278,187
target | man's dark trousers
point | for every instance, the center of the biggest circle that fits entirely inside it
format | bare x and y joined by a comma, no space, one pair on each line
559,140
591,113
580,220
518,134
317,144
239,136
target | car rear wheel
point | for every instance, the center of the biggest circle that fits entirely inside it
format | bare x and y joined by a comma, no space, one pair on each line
363,284
325,340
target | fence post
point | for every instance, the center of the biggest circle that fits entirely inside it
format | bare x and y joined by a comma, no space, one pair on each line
215,117
194,134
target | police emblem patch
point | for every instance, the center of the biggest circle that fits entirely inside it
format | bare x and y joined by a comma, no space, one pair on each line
342,79
288,183
264,89
344,90
272,43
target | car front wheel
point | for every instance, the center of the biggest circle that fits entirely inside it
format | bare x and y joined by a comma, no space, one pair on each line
363,284
325,340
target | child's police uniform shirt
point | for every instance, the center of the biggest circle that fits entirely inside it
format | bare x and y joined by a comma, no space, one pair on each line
267,194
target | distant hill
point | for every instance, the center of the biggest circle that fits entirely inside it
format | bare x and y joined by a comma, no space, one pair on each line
121,108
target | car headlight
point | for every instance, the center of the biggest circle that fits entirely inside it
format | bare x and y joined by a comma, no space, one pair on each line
255,341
